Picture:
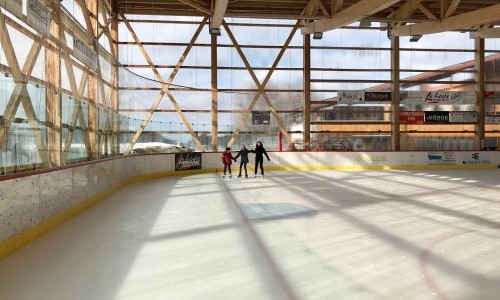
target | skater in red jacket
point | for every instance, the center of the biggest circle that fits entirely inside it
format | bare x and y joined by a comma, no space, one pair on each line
227,159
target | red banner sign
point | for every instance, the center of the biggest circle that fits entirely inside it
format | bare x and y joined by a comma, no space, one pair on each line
411,117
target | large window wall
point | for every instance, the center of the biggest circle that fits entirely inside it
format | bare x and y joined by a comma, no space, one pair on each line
437,77
351,59
58,96
60,104
439,65
242,65
492,86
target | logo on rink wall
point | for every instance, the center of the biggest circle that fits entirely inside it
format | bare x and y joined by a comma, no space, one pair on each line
187,161
441,158
476,158
371,158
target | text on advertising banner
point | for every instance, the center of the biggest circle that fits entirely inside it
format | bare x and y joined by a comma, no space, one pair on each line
411,117
351,96
463,116
492,117
437,117
187,161
378,96
261,117
84,53
447,97
441,158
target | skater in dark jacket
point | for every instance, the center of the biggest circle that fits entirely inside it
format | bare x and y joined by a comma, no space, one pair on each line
244,159
259,158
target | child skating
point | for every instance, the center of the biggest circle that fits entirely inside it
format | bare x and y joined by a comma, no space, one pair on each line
227,159
244,159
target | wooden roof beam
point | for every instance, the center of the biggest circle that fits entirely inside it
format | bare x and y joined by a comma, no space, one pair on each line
406,10
481,16
486,33
353,13
337,6
452,8
219,12
426,12
197,6
322,7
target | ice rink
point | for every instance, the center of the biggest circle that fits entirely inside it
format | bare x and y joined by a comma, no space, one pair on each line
414,234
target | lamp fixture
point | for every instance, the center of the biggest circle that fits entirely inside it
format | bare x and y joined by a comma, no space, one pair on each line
215,31
365,23
415,38
318,35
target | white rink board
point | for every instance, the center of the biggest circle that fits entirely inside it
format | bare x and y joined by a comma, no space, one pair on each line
42,198
365,159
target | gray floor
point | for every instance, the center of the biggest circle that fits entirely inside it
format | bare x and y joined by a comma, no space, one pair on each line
291,235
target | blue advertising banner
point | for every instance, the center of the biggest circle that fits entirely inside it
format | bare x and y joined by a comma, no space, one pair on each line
441,158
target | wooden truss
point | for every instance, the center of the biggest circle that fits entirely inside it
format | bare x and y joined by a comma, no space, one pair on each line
260,86
164,86
20,94
57,50
488,15
312,8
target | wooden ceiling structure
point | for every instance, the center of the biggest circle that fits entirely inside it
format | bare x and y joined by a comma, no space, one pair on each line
406,17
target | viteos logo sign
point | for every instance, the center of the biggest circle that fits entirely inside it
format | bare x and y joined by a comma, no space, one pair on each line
437,117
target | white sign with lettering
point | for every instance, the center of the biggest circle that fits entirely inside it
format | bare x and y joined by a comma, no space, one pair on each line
352,96
463,117
410,96
449,97
15,7
492,117
84,53
39,17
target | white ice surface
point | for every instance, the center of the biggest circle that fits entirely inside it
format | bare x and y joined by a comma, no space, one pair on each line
291,235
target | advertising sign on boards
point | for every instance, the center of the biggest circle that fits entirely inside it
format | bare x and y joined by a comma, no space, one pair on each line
187,161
